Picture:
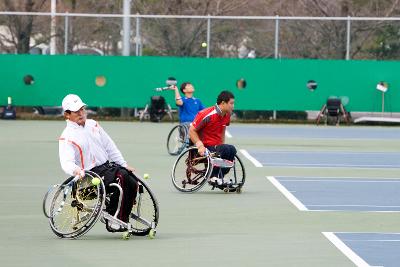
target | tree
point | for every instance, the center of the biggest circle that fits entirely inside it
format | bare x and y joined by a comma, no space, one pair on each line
21,27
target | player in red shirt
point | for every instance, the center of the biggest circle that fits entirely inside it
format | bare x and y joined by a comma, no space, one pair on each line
207,131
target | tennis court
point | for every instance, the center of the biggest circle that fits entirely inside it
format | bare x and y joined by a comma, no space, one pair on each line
259,227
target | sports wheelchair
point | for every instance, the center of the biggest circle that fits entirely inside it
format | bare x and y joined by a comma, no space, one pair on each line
192,171
75,206
333,111
156,110
178,139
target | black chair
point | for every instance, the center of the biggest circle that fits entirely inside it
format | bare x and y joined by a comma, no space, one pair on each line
334,111
157,109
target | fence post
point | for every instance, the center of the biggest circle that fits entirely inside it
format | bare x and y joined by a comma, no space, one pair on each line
348,38
276,54
126,30
137,37
53,49
66,31
126,34
208,35
277,36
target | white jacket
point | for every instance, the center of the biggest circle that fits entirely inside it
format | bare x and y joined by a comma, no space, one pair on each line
85,147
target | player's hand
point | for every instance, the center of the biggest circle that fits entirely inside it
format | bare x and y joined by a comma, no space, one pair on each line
173,87
79,172
201,150
131,169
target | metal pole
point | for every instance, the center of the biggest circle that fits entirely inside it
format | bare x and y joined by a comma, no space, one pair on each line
276,54
276,36
126,33
66,29
137,37
208,35
53,28
348,39
126,24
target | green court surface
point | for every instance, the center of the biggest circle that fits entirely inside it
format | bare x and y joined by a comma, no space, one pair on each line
259,227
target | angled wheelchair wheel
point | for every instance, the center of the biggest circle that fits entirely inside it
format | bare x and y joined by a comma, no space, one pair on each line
190,171
178,139
145,211
236,176
48,198
76,206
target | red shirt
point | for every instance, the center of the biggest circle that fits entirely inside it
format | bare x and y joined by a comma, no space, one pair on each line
210,125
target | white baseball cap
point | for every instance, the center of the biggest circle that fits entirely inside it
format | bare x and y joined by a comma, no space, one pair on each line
72,102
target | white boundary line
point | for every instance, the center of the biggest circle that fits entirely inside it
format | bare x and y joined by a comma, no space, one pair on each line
287,194
249,157
335,180
357,260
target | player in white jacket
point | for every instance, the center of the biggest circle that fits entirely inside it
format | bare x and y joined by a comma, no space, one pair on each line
84,145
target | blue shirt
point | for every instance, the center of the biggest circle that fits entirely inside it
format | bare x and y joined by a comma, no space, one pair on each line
189,109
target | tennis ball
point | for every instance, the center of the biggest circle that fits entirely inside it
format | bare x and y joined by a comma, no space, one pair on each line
203,44
95,181
146,176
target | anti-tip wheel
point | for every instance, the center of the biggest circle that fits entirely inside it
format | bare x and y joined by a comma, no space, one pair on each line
126,235
152,233
239,190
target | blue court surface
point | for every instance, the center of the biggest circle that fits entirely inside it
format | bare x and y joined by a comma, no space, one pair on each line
368,249
324,159
340,194
312,132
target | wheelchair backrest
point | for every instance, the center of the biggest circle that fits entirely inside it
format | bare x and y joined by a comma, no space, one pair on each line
157,102
333,106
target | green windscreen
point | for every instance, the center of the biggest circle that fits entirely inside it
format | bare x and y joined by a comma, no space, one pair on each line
270,84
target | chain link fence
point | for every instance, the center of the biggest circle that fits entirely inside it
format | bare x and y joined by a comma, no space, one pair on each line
341,38
202,36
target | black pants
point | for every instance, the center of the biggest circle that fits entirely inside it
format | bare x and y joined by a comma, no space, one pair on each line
114,173
225,151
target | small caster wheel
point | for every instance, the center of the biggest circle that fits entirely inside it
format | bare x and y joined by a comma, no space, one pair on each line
126,235
226,190
239,190
152,233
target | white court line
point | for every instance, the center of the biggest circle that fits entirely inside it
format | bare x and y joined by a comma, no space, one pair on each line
373,240
357,260
341,205
325,152
319,165
286,193
341,181
341,177
360,211
227,134
249,157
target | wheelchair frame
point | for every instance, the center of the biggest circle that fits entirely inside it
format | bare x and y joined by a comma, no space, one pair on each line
175,143
201,174
145,114
80,203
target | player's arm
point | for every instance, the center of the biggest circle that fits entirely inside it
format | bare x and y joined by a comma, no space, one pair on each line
178,98
194,136
223,136
67,158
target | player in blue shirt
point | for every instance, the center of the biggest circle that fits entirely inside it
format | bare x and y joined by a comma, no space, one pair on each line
188,105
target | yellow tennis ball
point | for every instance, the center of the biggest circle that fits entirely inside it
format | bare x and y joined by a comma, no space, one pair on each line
146,176
95,181
203,44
